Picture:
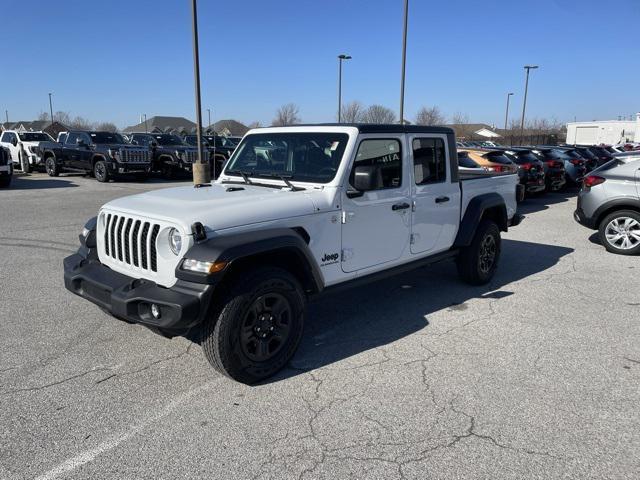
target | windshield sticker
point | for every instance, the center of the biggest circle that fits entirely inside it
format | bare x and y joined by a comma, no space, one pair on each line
334,146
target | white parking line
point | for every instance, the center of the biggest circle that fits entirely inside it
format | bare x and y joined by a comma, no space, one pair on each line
88,455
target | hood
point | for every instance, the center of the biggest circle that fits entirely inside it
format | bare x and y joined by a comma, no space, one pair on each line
216,207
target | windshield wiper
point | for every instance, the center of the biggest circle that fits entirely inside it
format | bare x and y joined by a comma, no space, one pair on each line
285,178
243,174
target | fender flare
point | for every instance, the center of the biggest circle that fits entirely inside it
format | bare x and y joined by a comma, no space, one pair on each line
474,214
612,205
234,248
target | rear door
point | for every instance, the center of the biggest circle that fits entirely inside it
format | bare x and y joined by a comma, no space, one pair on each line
376,226
436,204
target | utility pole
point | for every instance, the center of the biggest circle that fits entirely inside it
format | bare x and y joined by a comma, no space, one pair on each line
146,130
6,114
524,103
340,59
209,113
201,172
506,115
404,60
51,107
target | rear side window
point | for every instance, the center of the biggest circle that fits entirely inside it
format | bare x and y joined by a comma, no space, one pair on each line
385,156
498,157
465,161
429,160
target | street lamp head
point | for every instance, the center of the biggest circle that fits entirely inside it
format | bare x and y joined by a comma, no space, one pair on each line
531,67
344,57
509,94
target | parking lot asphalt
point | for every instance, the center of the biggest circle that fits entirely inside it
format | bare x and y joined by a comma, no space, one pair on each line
421,376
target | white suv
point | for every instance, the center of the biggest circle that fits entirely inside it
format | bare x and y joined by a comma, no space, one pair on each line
24,148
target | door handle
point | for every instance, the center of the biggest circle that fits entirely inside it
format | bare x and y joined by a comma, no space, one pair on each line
442,199
400,206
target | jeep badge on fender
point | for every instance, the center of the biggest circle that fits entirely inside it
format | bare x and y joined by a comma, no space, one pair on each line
268,237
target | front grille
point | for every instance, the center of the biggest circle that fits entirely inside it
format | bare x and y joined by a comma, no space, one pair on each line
190,156
135,155
131,241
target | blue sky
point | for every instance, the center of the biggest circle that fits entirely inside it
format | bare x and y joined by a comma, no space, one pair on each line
113,60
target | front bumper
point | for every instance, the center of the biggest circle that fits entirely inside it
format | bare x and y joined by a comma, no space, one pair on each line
182,306
124,167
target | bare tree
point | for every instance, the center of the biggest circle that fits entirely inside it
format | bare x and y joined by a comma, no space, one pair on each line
460,118
286,115
81,123
379,114
63,117
430,116
353,112
255,125
43,116
106,127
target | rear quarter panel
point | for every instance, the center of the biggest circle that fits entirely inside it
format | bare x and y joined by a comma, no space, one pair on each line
503,185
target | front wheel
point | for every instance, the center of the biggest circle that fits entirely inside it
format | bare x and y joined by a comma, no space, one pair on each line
100,171
257,329
51,167
478,262
620,232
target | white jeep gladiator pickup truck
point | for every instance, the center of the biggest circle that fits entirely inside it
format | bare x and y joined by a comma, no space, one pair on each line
297,211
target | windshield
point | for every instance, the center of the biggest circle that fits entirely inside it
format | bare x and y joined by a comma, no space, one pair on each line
305,157
107,137
524,157
168,139
35,137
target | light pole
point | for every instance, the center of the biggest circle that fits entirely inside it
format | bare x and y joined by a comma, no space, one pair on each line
209,114
201,173
404,59
340,59
524,102
146,130
51,107
6,114
506,115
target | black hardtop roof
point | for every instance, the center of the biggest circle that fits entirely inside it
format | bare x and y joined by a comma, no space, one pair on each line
384,128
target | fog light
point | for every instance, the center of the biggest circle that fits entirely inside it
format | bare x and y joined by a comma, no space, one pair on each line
155,311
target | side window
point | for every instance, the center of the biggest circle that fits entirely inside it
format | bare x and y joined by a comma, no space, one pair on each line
429,160
383,157
72,138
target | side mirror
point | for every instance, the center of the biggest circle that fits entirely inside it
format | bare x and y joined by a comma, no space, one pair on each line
365,178
14,142
153,144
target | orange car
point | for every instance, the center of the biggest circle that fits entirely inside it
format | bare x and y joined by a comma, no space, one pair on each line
492,160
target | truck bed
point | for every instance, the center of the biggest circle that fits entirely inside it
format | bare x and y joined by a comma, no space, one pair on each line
472,185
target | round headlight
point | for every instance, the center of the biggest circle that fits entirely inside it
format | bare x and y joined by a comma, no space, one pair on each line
175,241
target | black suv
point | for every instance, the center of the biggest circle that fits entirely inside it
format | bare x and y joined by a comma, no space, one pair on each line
106,155
530,168
554,169
219,148
171,155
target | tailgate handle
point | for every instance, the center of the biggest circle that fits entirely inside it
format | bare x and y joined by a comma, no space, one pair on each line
442,199
400,206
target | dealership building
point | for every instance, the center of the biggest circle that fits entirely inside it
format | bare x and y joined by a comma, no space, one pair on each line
609,132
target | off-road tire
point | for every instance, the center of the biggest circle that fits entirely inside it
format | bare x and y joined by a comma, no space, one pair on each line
474,266
51,167
634,248
101,172
222,337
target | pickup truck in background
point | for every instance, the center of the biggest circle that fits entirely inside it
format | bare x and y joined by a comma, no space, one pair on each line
219,148
24,148
6,167
297,211
105,155
171,156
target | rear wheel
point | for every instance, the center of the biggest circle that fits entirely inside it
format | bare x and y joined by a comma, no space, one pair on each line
620,232
100,171
51,167
478,262
256,330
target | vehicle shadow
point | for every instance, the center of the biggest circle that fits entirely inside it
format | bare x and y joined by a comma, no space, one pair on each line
346,323
543,201
28,182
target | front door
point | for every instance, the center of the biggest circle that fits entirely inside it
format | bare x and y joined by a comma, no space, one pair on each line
376,225
436,214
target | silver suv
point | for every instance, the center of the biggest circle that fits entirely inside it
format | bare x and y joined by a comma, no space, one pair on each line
609,202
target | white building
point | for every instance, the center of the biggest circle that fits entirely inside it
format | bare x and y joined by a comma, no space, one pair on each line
609,132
